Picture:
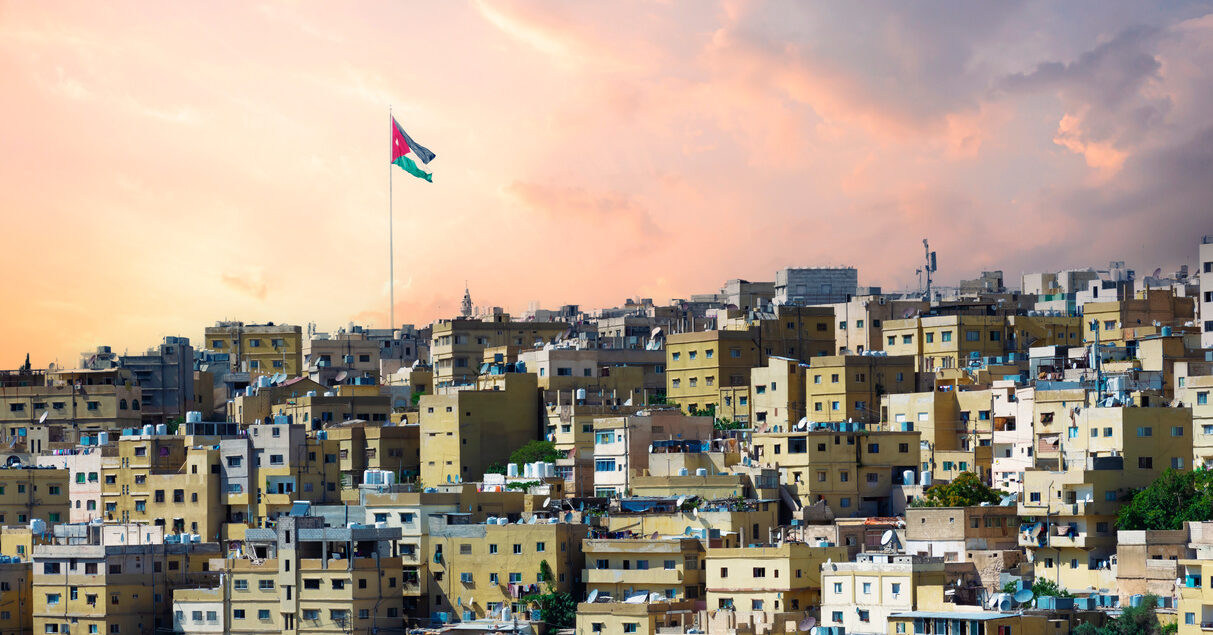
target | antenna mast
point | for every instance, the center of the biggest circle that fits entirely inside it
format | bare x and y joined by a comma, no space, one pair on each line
929,267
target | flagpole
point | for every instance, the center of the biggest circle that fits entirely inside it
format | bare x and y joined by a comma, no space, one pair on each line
391,247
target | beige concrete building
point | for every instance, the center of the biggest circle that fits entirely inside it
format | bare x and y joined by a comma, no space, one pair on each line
302,578
458,345
258,349
669,567
28,493
767,585
464,431
861,596
849,387
115,579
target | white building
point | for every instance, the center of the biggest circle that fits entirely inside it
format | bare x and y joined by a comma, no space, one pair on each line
860,596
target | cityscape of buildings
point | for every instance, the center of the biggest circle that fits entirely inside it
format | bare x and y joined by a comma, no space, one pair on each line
769,458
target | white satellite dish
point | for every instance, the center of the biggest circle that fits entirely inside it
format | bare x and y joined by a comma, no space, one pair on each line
547,501
655,536
1023,596
887,537
592,597
680,501
42,419
650,448
695,513
807,623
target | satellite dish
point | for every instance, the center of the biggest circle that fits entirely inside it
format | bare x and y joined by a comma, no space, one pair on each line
655,536
547,501
695,513
887,537
593,596
42,419
813,631
807,623
650,448
341,376
1023,596
686,532
680,501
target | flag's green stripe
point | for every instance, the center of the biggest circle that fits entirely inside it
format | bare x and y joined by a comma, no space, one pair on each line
412,168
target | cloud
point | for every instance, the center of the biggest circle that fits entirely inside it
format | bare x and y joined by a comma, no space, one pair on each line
612,213
251,284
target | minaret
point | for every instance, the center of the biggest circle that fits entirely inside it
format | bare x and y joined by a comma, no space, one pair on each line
465,307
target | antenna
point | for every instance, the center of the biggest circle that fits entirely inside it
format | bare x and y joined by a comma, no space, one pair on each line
929,267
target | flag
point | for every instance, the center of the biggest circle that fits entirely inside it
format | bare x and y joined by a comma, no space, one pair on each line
409,154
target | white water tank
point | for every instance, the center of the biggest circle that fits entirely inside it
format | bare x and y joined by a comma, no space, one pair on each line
550,469
511,470
926,478
103,438
701,471
907,477
682,471
161,428
149,429
193,416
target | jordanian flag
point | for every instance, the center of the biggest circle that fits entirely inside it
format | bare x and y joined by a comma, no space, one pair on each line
409,154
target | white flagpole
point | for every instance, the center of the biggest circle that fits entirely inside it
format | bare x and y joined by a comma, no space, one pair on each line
391,248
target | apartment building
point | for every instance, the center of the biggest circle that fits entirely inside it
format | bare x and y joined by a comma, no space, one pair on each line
851,470
342,358
621,444
768,584
669,566
302,577
849,387
647,618
713,367
622,373
477,569
346,403
954,533
30,492
945,341
115,579
255,403
1195,610
86,408
777,393
263,473
1069,508
815,285
464,431
458,345
16,598
861,596
83,467
363,446
259,349
859,323
162,480
1112,319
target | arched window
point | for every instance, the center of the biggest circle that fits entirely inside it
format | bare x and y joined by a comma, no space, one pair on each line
122,405
134,404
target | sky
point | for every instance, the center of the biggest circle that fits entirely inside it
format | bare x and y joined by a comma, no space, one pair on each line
167,165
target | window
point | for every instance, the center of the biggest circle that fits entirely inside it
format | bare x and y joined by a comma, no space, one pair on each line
1177,462
1145,431
540,547
760,572
836,616
630,627
973,336
1202,398
896,588
517,549
265,585
264,614
929,338
756,605
1145,462
867,588
311,614
1177,431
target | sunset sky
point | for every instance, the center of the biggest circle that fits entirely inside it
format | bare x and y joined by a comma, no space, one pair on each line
167,165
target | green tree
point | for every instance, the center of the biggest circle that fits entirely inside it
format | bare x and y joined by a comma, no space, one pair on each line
495,468
1133,620
536,451
1043,587
556,608
1173,498
965,490
416,398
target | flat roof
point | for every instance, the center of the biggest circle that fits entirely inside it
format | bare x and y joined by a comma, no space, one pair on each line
955,615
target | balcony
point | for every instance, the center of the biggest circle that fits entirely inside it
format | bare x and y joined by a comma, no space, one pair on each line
633,576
